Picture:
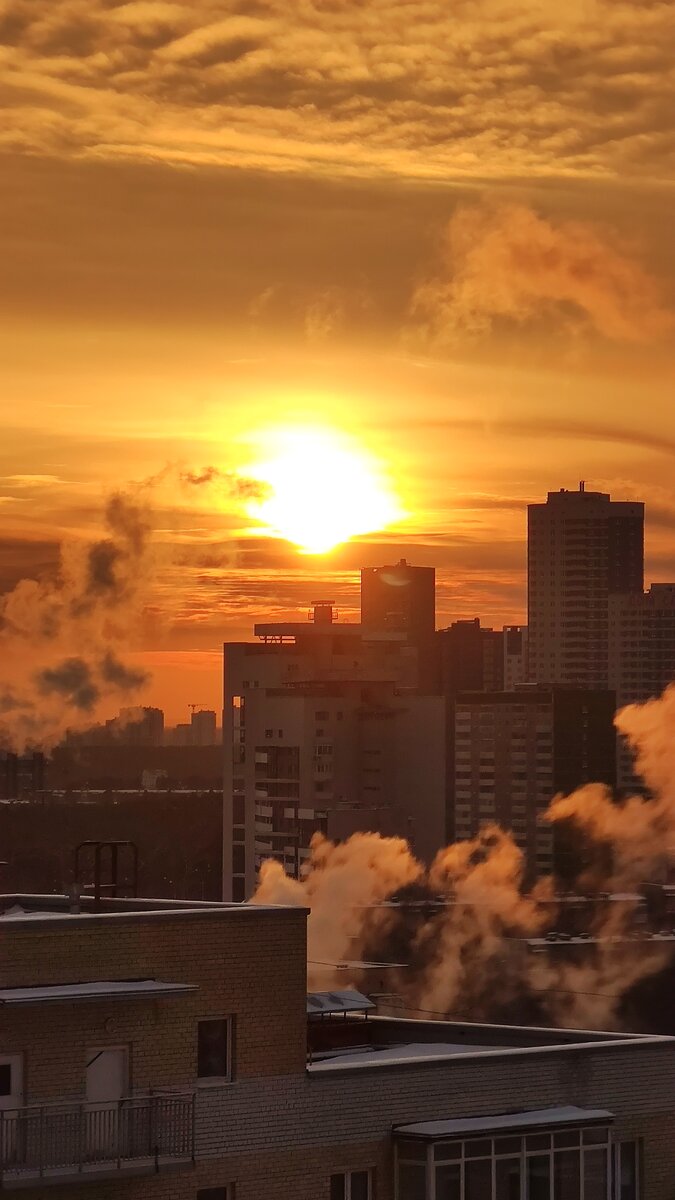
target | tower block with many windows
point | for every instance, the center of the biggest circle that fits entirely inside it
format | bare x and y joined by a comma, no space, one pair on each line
582,547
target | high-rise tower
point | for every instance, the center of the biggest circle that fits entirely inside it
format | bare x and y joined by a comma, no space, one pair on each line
582,546
401,598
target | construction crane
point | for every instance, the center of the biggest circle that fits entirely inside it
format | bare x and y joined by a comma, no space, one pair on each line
193,707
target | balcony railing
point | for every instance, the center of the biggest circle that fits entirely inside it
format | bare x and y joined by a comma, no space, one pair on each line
60,1142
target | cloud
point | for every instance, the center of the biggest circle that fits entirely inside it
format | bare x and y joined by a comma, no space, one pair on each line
487,88
507,264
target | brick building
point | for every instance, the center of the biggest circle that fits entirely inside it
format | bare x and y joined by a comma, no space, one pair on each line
159,1051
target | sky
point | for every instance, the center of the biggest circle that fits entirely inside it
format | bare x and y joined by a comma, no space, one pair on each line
439,235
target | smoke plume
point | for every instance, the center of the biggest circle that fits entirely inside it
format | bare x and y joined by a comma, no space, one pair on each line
62,641
463,923
238,487
505,263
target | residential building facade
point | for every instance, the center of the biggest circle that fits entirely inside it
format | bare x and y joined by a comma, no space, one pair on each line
195,1083
324,731
641,657
582,547
514,751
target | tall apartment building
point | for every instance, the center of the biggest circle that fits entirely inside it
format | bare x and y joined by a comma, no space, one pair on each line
514,751
323,731
582,547
472,658
642,643
194,1081
641,656
203,728
401,598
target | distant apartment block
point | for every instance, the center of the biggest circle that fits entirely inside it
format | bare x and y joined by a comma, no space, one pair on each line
471,658
137,726
21,774
171,1052
201,730
641,655
515,750
582,547
642,643
515,656
324,732
401,598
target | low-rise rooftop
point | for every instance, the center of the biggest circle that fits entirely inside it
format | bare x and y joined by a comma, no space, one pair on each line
360,1041
17,909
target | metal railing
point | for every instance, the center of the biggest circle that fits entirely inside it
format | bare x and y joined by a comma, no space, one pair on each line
66,1138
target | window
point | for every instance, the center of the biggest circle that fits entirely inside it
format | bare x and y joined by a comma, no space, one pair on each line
217,1193
5,1079
626,1164
214,1049
352,1185
568,1164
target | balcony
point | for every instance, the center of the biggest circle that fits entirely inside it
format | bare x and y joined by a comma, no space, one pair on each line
68,1143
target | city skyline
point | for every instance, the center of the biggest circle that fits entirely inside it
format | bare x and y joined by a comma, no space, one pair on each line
180,674
441,240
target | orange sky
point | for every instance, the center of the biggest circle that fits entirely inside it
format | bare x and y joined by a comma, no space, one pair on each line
444,232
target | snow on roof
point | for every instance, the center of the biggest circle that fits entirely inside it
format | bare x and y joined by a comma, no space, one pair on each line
538,1118
411,1050
104,990
338,1002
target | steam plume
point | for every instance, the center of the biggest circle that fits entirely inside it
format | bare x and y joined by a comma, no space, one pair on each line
508,263
61,641
476,912
235,486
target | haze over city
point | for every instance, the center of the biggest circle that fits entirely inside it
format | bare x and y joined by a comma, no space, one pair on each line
416,262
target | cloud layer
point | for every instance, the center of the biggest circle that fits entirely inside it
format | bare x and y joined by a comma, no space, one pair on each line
425,89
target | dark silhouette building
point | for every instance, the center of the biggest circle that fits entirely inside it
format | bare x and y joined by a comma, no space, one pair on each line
514,751
401,598
582,547
21,774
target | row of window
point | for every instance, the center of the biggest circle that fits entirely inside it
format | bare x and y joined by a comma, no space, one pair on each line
569,1165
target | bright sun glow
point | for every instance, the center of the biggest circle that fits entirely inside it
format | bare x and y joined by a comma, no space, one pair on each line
322,491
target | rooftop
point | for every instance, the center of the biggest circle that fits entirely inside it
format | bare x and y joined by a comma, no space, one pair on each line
357,1041
19,909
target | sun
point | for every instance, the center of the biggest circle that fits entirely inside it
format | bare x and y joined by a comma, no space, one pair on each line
322,491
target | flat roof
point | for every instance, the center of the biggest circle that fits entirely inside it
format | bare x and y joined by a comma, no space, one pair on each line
102,990
404,1041
539,1118
372,1055
20,909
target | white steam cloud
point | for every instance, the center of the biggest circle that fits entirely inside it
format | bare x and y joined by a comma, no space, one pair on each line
455,951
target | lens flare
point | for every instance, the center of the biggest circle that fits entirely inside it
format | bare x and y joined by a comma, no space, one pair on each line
322,491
